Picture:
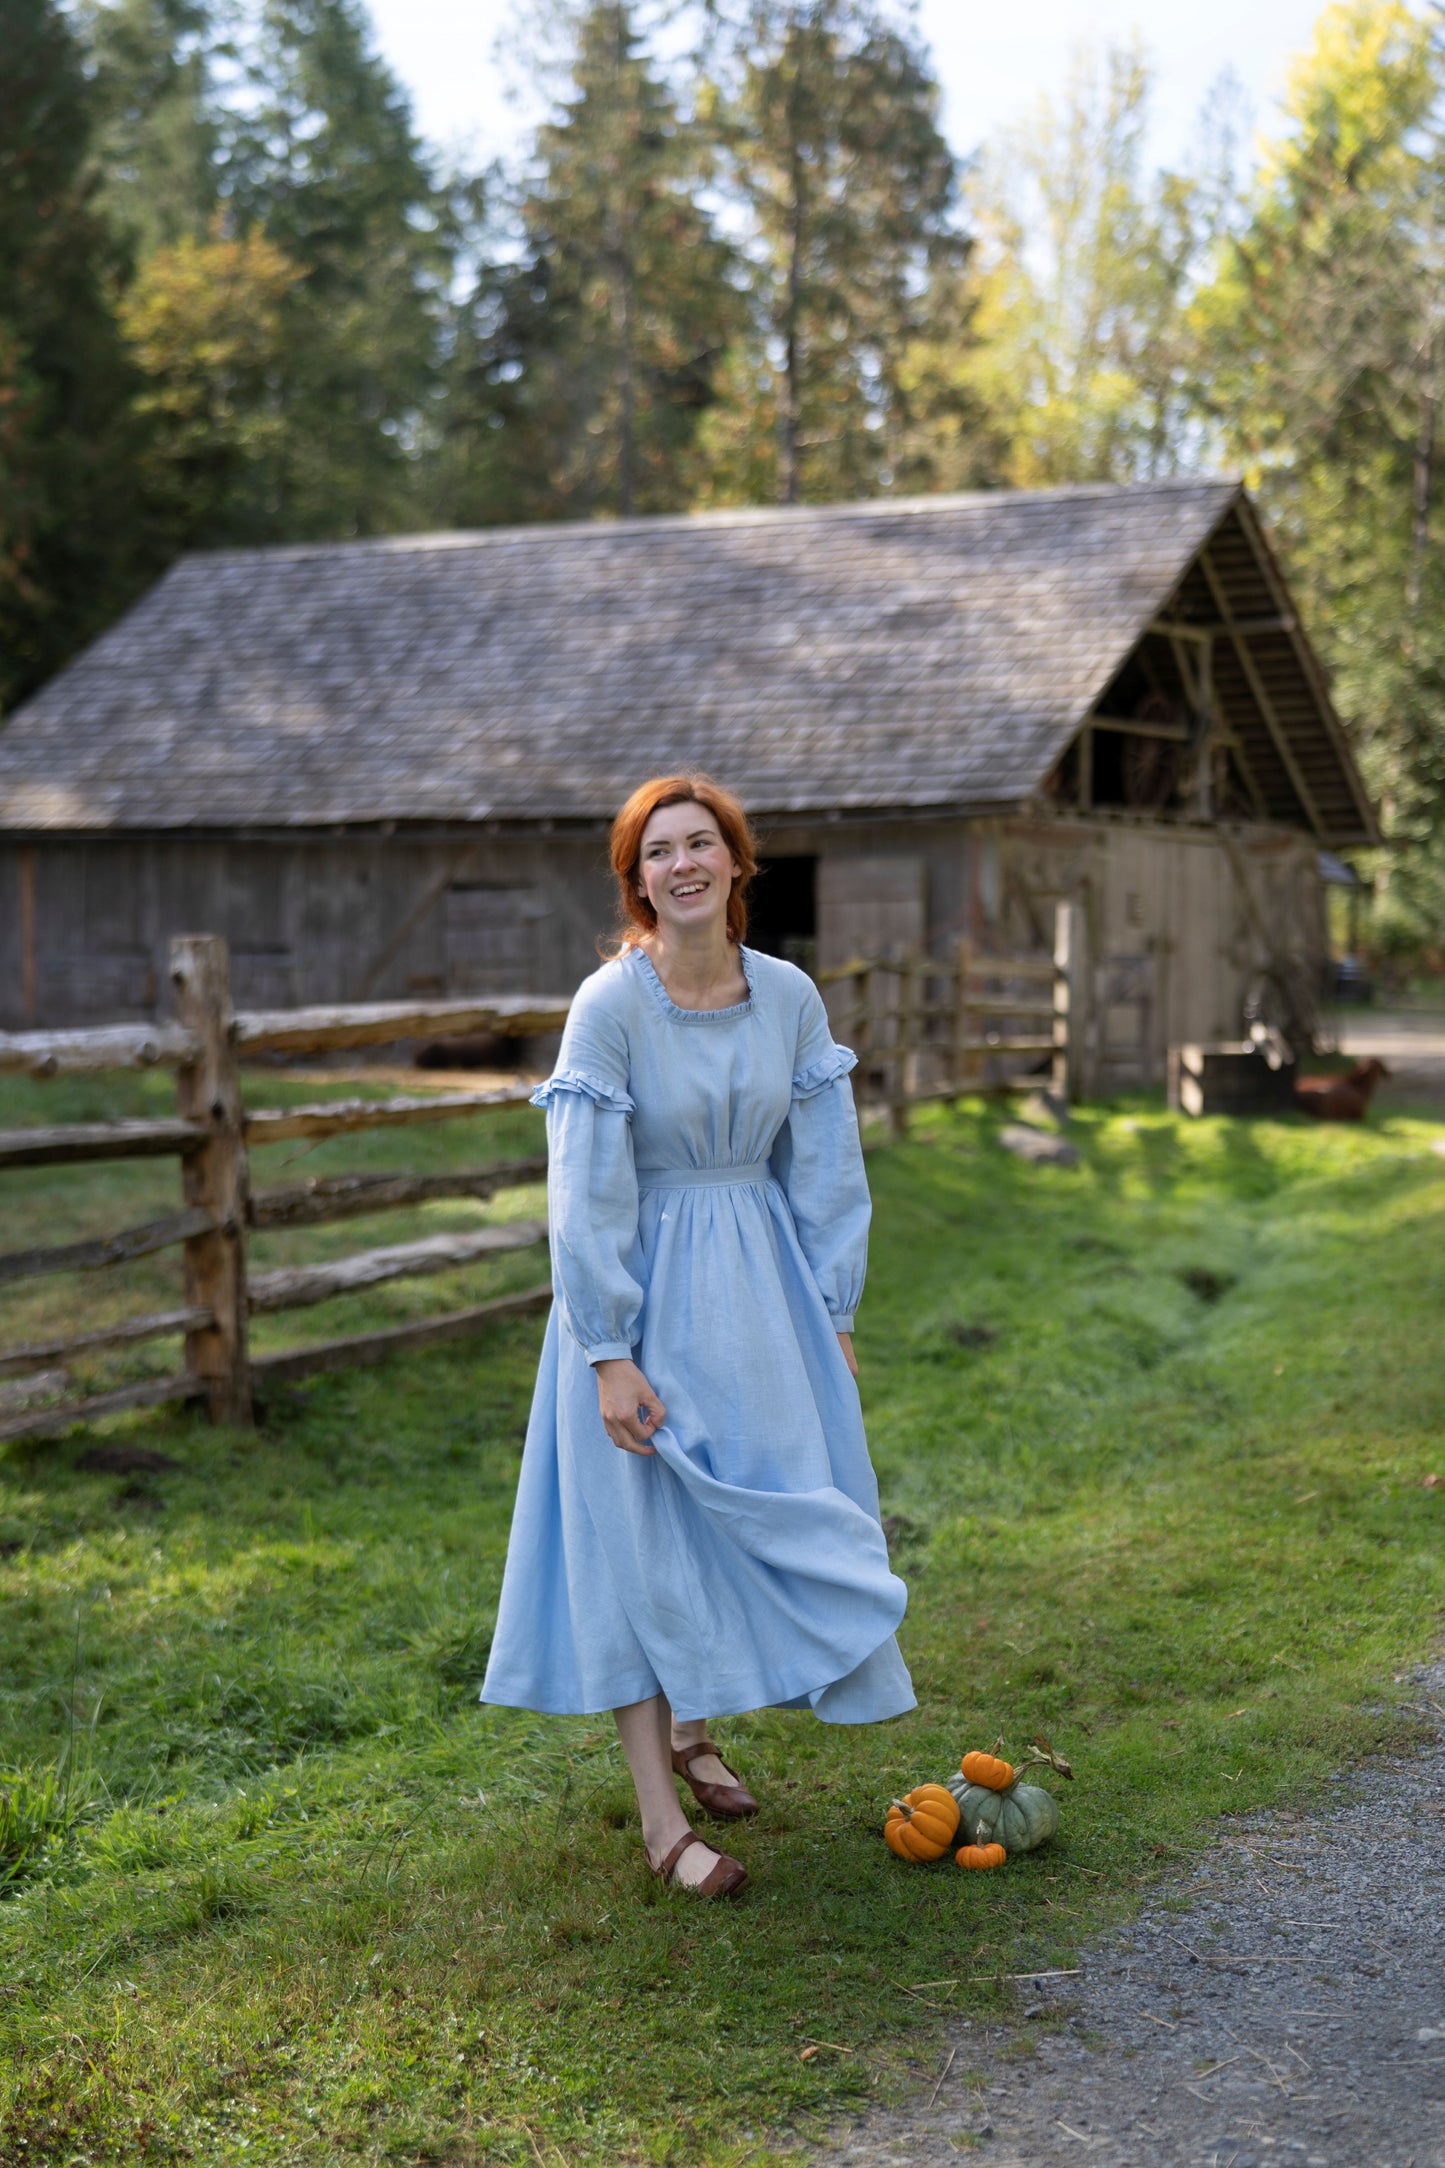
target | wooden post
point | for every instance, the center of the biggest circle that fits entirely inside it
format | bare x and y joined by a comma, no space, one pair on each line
1070,1022
903,1044
862,1039
963,972
209,1090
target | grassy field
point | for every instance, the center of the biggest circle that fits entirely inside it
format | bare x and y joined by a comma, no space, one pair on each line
1152,1437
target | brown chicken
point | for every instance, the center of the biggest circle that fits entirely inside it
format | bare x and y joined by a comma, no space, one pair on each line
1343,1098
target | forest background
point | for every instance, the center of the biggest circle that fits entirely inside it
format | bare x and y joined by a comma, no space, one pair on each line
241,301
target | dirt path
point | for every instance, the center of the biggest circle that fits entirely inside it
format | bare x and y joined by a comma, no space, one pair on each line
1293,2013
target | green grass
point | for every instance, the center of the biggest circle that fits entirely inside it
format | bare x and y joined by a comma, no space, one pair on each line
1152,1437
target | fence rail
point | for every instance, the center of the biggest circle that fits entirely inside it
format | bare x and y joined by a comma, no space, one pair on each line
923,1027
210,1135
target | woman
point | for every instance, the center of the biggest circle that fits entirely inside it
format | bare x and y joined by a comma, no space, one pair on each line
696,1530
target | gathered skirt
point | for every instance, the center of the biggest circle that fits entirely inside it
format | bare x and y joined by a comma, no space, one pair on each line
742,1565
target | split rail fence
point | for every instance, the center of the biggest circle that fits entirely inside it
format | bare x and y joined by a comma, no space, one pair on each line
923,1029
210,1134
927,1028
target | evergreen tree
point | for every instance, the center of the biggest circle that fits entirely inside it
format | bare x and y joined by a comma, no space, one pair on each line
830,110
322,158
73,544
153,65
596,354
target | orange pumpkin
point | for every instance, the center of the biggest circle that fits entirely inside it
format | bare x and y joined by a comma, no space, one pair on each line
986,1769
980,1855
923,1825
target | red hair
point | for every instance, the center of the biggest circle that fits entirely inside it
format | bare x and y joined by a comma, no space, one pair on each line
635,915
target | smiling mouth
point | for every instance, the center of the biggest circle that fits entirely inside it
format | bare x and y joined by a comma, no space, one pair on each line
693,888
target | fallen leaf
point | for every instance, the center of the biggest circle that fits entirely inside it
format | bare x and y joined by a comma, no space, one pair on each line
1433,1482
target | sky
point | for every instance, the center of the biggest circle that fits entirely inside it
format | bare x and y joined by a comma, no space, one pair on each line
993,58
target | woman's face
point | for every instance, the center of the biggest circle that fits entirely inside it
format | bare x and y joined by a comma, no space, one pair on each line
686,870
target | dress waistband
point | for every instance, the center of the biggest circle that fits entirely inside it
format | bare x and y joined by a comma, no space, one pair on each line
702,1177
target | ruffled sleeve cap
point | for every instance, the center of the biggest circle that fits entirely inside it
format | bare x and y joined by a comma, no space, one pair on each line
824,1070
595,1088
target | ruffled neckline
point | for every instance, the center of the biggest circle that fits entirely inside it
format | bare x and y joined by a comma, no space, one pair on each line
669,1007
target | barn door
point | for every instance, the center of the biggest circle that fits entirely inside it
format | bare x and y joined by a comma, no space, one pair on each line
870,906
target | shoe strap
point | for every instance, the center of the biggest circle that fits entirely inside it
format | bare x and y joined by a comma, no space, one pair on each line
687,1755
689,1836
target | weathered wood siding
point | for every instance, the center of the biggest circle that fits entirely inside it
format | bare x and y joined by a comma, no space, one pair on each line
307,922
1177,917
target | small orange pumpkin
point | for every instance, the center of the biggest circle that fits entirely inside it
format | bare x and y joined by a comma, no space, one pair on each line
986,1769
923,1825
980,1855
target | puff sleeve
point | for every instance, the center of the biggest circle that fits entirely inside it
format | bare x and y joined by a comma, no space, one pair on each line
592,1185
818,1159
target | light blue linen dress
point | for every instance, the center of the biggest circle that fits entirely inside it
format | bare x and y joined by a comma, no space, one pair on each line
709,1218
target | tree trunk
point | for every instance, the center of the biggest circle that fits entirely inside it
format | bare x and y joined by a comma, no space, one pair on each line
1424,485
790,414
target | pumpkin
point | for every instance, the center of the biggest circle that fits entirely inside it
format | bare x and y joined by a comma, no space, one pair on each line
988,1770
981,1855
1021,1818
923,1825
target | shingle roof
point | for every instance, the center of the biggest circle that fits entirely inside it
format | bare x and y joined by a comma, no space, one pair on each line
929,652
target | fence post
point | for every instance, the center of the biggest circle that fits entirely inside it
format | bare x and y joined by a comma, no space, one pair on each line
903,1040
209,1090
1070,1022
962,975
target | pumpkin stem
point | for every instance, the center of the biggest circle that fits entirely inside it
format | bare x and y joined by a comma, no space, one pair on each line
1048,1759
997,1747
903,1807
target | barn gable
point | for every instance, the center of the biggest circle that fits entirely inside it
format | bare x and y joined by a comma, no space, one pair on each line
941,654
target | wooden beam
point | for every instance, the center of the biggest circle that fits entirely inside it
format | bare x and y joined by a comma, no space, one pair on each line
117,1249
99,1140
1186,629
1261,697
152,1393
349,1196
1176,733
339,1117
296,1287
374,1023
84,1053
17,1360
1309,664
375,1347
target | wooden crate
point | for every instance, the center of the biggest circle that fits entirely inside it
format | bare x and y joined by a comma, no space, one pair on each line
1227,1079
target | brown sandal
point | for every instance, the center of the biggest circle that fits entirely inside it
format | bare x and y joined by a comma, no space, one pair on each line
729,1802
723,1880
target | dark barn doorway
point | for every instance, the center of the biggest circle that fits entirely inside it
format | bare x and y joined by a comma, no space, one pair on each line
783,910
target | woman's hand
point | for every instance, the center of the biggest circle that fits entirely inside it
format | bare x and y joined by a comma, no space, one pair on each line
631,1410
845,1342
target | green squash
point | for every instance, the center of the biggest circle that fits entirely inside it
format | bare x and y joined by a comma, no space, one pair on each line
1019,1819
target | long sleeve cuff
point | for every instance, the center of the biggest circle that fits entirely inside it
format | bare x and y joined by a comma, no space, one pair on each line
611,1351
842,1320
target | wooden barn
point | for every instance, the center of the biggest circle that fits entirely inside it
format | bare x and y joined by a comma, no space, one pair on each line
387,768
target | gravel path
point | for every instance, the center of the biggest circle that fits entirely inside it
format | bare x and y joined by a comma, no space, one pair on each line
1294,2012
1411,1042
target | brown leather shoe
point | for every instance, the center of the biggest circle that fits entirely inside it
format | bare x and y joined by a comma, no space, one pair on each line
723,1880
729,1802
